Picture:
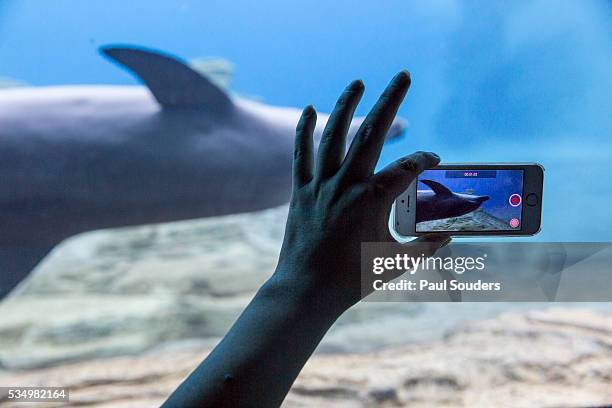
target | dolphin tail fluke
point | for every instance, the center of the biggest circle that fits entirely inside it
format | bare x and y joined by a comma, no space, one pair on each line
16,263
171,81
437,188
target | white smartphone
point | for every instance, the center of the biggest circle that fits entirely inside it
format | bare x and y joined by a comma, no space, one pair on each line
472,199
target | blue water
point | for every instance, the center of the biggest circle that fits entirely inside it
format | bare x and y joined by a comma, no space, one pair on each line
492,81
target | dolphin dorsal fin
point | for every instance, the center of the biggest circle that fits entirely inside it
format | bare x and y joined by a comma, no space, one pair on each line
171,81
437,188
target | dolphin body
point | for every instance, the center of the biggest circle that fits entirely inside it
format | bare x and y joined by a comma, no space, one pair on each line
440,202
82,158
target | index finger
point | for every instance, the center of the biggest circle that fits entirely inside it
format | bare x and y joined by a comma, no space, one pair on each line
363,154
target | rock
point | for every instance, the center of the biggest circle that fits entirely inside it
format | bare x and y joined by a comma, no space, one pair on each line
384,396
476,220
558,358
121,317
42,331
221,256
124,291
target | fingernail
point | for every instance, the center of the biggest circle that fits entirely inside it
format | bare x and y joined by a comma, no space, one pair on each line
435,159
441,239
446,242
308,110
357,84
402,77
409,164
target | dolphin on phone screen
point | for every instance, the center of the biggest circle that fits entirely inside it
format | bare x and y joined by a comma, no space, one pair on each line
81,158
440,202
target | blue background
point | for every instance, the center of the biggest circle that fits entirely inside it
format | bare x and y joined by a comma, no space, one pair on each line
492,81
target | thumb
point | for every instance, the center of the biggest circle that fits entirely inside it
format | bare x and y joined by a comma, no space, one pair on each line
397,176
425,245
430,243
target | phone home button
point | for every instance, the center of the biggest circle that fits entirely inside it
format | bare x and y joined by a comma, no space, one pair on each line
531,200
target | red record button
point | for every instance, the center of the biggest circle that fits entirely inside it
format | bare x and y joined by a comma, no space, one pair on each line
515,200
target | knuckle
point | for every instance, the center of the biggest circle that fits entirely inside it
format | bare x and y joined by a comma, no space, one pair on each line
303,125
297,153
377,189
385,99
326,138
408,164
300,194
343,101
383,103
367,131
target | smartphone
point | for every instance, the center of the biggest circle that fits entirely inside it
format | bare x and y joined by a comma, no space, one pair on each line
472,199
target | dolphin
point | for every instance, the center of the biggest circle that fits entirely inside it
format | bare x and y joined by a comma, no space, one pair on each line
82,158
440,202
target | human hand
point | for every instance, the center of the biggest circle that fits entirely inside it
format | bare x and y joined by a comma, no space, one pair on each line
334,208
339,203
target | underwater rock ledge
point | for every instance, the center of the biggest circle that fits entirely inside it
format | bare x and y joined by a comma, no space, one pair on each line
557,358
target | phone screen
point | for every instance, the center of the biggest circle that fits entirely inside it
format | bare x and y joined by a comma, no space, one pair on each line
469,200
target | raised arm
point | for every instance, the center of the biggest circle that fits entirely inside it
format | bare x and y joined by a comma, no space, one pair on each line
336,205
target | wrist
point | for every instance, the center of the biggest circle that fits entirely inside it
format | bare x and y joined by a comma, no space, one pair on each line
303,295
